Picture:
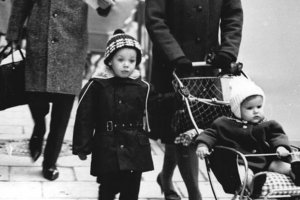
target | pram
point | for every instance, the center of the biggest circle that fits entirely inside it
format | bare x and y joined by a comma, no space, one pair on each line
206,98
265,185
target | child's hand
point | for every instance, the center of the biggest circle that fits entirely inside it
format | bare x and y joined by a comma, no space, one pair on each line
105,3
82,156
186,138
282,152
202,151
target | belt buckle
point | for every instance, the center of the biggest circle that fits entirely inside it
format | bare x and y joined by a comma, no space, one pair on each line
109,126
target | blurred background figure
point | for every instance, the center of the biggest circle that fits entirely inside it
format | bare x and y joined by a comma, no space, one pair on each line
57,40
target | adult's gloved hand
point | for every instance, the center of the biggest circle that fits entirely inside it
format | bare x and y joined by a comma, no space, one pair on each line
235,69
104,7
220,59
225,62
103,12
82,156
183,66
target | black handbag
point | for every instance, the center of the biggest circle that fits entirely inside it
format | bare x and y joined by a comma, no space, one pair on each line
12,81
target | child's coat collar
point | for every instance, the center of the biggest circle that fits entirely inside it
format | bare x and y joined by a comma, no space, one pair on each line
238,120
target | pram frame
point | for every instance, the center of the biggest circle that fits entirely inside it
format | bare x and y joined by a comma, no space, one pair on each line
241,192
187,97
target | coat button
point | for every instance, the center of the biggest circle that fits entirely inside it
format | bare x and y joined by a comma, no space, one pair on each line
198,39
199,8
55,15
122,146
120,101
254,151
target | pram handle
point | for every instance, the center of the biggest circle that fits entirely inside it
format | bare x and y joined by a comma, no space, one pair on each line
234,69
205,64
201,64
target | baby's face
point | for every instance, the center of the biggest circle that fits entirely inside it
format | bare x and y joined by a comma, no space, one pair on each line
252,109
124,62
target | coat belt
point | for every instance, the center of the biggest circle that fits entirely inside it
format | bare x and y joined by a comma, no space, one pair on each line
111,126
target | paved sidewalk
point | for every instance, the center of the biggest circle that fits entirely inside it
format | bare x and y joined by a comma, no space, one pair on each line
20,179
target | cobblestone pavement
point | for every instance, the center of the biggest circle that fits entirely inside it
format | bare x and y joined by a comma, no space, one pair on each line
21,179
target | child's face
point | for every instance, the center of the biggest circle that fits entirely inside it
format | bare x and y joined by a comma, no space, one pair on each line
252,109
123,62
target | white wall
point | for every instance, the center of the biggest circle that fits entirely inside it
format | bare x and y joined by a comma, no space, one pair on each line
270,51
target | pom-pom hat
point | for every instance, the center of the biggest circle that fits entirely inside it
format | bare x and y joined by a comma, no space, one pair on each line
240,89
118,41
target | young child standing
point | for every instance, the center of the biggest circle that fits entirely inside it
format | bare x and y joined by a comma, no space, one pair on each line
250,133
109,121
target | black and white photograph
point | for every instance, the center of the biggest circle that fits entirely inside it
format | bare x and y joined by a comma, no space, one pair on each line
149,99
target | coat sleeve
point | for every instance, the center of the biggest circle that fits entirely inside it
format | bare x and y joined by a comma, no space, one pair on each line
209,136
20,10
231,27
159,32
276,136
85,120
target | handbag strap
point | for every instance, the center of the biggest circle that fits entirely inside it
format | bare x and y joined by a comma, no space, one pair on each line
19,49
2,54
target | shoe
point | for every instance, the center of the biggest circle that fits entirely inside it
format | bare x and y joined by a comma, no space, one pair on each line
172,195
257,184
50,173
295,165
169,195
35,147
37,139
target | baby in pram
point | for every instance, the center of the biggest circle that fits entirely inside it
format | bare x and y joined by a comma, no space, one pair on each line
249,132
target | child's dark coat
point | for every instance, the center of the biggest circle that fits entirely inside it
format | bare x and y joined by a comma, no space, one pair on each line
109,124
246,138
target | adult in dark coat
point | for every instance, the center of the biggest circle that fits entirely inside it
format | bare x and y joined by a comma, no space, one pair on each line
184,31
56,51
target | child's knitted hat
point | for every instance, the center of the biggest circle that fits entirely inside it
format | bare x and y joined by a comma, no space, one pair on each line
240,89
120,40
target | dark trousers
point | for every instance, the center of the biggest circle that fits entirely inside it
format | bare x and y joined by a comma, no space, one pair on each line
61,109
126,183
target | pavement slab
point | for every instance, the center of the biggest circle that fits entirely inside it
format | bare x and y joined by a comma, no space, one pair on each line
71,189
22,190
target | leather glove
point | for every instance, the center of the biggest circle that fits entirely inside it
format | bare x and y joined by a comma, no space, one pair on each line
82,156
235,69
225,62
183,66
104,7
103,12
220,59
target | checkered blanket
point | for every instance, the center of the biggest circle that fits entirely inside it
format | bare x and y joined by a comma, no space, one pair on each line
279,185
